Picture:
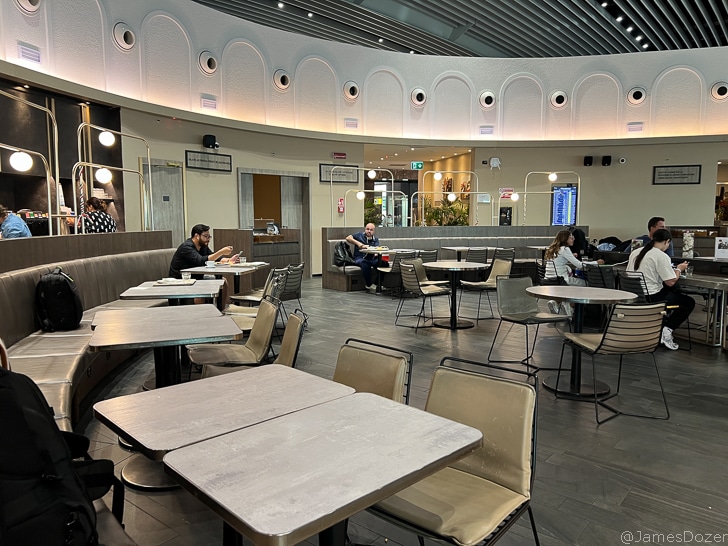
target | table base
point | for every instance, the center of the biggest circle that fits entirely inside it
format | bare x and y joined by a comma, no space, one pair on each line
146,475
460,324
585,391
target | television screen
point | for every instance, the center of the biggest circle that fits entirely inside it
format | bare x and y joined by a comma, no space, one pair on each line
563,205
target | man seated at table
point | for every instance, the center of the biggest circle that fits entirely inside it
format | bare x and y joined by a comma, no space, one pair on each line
195,251
368,262
653,224
12,226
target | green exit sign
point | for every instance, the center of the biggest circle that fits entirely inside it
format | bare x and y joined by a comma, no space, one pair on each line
417,165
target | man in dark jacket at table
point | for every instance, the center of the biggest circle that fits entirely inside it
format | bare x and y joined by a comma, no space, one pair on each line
195,251
361,241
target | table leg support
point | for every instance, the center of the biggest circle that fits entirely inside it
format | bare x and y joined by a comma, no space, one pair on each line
166,366
334,535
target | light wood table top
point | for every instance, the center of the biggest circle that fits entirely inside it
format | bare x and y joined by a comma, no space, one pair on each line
162,420
284,480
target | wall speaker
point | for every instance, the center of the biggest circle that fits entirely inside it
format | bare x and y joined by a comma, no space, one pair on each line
210,141
588,160
606,160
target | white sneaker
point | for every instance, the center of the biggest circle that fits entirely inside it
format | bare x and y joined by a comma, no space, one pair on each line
372,288
667,339
567,309
553,307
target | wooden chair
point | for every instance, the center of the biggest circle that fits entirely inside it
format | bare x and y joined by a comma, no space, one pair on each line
632,329
478,498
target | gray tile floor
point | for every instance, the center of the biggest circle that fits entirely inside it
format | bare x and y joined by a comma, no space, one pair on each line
592,483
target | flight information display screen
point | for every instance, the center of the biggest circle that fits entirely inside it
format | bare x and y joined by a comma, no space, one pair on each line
563,205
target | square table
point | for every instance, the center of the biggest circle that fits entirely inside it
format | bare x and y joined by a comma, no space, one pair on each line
238,269
150,290
281,481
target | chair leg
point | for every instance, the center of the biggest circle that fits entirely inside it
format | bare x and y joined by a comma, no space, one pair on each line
493,342
558,373
533,526
598,402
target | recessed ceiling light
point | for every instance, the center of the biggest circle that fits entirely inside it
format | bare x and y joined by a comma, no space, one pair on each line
412,149
381,159
630,28
620,18
280,5
456,153
310,14
645,46
470,150
605,4
381,40
412,51
396,154
442,157
639,38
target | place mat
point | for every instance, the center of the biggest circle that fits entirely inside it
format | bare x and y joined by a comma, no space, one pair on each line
256,264
244,264
174,282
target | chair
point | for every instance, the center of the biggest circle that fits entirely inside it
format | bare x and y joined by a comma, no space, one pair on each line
632,329
600,276
252,353
544,268
412,286
244,317
374,368
390,276
479,497
498,268
634,282
427,256
517,307
504,254
291,289
422,273
288,354
476,255
274,282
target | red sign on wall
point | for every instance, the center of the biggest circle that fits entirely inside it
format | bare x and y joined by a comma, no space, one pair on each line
338,155
341,204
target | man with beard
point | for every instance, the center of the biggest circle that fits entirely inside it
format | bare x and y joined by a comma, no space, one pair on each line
195,251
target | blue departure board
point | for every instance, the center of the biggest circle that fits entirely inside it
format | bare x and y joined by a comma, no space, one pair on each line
563,205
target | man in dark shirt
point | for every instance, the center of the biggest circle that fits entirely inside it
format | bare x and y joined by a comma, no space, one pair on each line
653,224
194,252
361,241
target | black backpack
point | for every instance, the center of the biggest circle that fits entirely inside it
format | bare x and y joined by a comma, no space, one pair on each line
42,498
342,255
57,303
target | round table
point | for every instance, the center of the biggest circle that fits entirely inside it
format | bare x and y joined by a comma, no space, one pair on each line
454,268
579,296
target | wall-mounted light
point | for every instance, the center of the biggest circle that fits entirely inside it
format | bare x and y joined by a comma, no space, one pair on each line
372,174
103,176
553,177
451,197
21,162
360,195
107,138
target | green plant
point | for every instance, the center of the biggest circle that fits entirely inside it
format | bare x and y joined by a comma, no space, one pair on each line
456,213
372,213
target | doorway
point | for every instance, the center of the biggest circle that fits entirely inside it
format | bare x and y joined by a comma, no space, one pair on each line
167,202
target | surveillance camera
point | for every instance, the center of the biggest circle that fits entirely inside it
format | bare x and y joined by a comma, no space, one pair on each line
217,145
623,160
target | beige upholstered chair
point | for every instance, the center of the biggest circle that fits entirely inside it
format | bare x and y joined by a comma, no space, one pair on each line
422,273
292,287
631,329
273,286
411,286
373,368
288,353
480,496
230,354
498,268
427,256
390,276
517,307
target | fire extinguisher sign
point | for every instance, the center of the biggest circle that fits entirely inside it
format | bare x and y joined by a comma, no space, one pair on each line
341,204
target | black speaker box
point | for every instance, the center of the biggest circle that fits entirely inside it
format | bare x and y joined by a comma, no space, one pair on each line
588,160
208,141
606,160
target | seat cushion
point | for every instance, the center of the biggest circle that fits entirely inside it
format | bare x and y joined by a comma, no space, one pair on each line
220,354
534,318
588,341
454,504
431,290
213,371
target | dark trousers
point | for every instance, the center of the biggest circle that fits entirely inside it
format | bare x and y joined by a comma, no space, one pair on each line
366,268
672,296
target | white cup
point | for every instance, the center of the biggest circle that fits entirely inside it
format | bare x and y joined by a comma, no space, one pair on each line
186,275
210,263
243,259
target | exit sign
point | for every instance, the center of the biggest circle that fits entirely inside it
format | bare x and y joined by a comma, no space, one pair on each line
417,165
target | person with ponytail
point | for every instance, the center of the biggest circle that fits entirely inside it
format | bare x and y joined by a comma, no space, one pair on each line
559,257
96,219
660,278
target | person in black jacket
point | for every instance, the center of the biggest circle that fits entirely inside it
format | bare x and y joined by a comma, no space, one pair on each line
195,251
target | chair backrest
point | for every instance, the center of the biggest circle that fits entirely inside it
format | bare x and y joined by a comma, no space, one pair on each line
276,283
419,268
392,351
512,296
477,255
427,256
508,254
497,269
600,276
398,257
292,337
409,279
504,410
262,331
369,370
547,275
633,329
634,282
292,287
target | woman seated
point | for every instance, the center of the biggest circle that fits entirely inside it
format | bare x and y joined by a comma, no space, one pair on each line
560,260
660,278
96,219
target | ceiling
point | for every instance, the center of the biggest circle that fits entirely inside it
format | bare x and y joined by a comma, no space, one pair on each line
497,28
491,28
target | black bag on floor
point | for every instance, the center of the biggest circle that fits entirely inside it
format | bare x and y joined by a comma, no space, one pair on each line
57,303
42,498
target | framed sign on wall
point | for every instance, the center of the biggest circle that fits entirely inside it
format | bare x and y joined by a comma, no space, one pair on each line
676,174
206,161
342,174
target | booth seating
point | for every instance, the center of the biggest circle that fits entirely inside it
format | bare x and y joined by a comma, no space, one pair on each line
60,362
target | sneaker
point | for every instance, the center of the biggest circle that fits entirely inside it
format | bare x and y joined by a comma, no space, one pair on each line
567,309
667,339
372,288
554,307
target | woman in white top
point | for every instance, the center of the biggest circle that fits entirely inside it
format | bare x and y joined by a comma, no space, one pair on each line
660,277
559,257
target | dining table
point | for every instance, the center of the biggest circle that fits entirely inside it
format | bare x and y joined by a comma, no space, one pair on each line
238,270
174,290
580,296
454,268
286,479
159,421
458,250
